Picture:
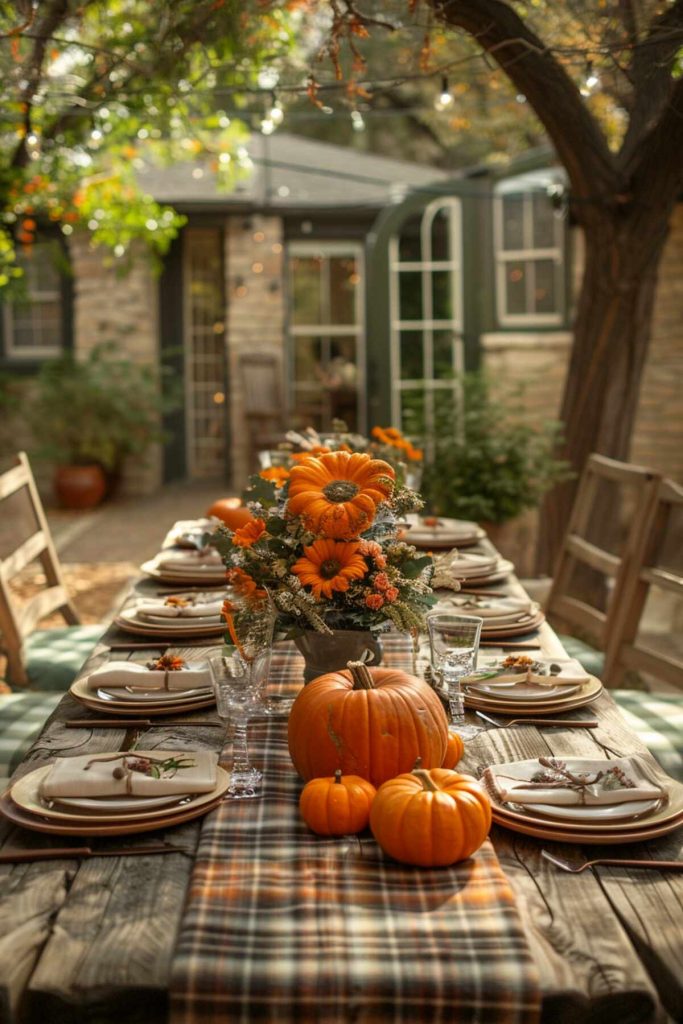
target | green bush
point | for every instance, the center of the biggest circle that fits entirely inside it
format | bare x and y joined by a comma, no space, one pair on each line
483,461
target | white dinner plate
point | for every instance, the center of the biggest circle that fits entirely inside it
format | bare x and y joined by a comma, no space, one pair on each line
111,693
522,691
114,804
591,815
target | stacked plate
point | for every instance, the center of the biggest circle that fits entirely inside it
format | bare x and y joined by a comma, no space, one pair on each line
185,567
144,619
432,533
631,821
502,617
472,570
111,700
532,697
24,805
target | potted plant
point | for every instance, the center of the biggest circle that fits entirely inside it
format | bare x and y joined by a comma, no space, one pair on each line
87,414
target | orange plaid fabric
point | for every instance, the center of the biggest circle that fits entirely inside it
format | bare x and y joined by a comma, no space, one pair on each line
285,926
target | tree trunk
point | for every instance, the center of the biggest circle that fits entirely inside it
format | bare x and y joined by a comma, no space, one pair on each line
611,340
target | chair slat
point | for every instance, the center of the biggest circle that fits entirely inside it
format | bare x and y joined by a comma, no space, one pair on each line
39,606
23,555
580,614
594,556
663,578
12,481
644,659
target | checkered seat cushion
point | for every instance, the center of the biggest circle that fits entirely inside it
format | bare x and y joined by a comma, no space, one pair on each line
22,717
592,660
54,657
658,720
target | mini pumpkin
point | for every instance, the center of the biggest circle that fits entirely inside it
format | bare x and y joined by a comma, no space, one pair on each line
231,512
430,818
454,750
372,722
337,806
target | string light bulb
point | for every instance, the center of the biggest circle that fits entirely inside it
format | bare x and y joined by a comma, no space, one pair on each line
276,114
357,122
444,100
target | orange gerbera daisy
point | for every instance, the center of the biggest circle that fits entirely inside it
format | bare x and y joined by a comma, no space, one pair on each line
329,565
337,494
244,585
248,534
275,474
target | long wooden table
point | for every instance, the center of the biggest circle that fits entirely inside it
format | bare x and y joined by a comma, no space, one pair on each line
93,940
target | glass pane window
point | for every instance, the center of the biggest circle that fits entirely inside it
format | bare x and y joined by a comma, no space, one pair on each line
529,246
326,334
34,322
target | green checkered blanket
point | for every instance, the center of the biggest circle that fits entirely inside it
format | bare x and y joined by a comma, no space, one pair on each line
22,717
658,720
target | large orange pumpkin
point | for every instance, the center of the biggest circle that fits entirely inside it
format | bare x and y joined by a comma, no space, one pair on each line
338,806
430,818
454,750
231,512
372,722
337,494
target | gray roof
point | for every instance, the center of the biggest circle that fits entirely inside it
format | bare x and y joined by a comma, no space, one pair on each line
291,171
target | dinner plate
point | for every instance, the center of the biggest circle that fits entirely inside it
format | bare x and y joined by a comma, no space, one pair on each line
522,690
115,805
178,620
514,629
79,690
213,574
590,836
500,573
130,624
590,815
151,696
592,693
442,536
40,823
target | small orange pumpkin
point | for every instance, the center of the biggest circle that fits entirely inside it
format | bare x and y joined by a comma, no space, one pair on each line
372,722
338,806
231,512
454,750
430,818
337,494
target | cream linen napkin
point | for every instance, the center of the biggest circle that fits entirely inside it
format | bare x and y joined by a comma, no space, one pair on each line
131,774
571,673
576,780
208,558
504,608
131,673
159,609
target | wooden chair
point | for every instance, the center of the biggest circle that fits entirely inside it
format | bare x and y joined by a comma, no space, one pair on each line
44,659
263,402
594,615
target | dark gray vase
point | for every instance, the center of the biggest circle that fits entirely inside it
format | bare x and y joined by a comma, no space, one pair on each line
324,653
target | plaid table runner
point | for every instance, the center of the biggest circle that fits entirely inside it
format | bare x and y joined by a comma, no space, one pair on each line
284,925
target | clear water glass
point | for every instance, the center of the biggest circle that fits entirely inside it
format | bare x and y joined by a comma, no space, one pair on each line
454,646
239,688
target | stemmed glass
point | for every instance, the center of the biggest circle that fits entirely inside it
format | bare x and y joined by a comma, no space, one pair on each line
454,644
240,675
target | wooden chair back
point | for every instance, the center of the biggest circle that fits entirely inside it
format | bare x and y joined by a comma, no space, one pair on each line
656,562
591,609
17,621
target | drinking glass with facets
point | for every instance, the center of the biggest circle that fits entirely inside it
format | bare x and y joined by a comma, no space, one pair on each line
454,645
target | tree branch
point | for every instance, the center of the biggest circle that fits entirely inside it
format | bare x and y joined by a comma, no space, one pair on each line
579,142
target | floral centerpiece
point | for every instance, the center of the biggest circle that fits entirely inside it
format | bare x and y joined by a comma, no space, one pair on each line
324,545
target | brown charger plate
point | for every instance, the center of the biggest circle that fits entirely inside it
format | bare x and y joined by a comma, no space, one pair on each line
588,838
513,629
80,692
24,795
536,710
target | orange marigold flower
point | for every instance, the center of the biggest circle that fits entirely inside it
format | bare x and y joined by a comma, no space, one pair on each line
337,494
167,663
275,474
329,565
380,561
248,534
382,581
391,593
369,547
374,601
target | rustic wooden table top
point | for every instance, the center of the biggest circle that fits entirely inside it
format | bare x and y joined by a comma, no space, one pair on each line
93,940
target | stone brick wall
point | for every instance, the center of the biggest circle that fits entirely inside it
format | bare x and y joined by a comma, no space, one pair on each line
255,319
123,310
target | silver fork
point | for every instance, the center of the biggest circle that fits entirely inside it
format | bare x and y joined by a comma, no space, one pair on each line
615,862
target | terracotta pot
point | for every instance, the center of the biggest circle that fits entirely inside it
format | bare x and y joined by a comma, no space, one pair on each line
80,487
323,653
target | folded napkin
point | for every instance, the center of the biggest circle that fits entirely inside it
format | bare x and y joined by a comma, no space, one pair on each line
196,675
142,773
523,669
161,609
207,558
576,780
452,567
491,608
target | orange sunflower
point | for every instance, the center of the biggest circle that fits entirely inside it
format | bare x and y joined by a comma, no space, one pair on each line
329,565
337,494
248,534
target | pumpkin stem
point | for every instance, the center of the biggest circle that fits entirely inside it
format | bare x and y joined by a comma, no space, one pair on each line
423,775
338,776
362,679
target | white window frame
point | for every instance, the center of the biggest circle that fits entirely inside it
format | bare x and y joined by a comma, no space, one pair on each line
357,328
525,187
19,352
427,325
